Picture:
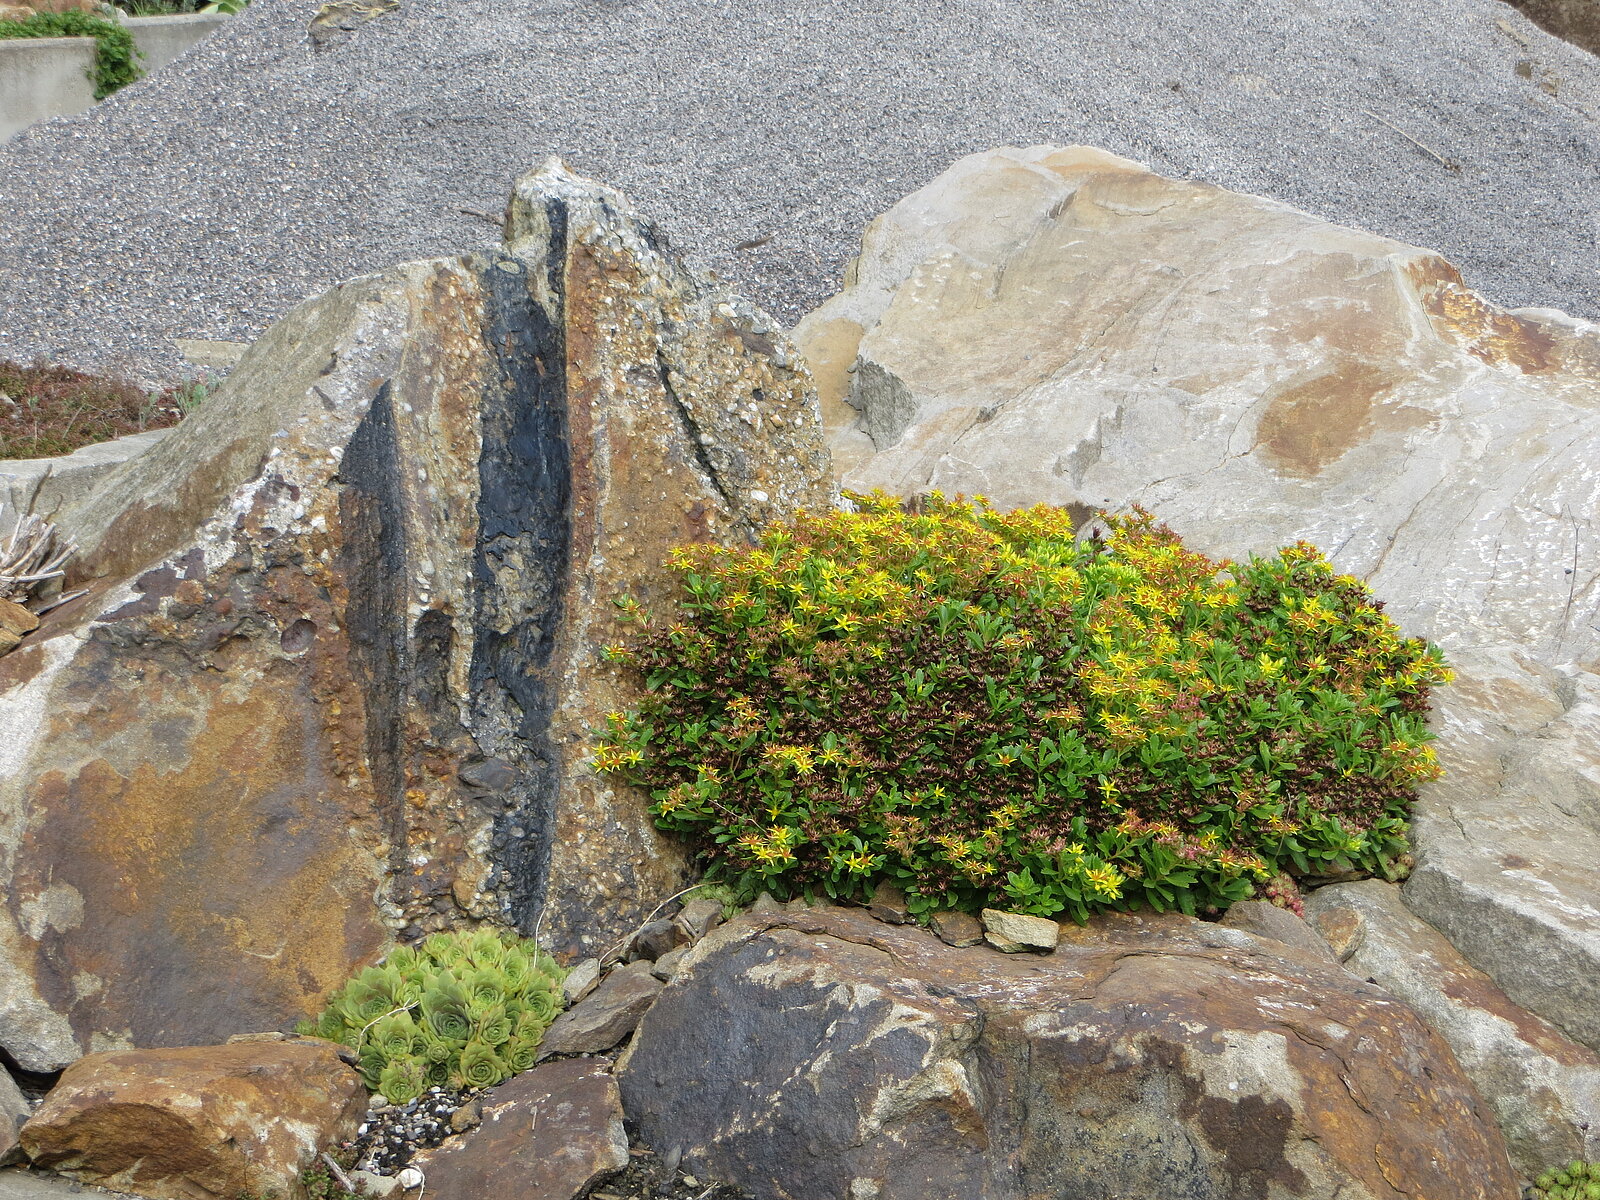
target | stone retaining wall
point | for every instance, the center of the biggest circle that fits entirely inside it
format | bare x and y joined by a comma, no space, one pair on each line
42,78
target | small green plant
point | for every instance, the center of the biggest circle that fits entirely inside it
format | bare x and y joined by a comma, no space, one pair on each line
989,711
114,54
463,1009
1575,1181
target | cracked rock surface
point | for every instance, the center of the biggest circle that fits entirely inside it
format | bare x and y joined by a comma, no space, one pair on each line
825,1053
1063,326
339,659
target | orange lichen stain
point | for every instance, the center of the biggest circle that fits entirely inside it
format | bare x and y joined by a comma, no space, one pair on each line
1465,319
1313,423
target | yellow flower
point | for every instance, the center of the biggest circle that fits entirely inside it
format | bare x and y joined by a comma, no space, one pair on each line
1106,882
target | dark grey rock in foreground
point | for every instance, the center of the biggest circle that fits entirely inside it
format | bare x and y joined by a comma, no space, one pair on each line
209,199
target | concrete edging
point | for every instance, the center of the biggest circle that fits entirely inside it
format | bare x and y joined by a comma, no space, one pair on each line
42,78
47,484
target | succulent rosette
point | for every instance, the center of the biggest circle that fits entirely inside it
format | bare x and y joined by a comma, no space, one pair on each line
461,1009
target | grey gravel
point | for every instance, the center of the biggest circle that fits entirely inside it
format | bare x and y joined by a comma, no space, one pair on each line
208,199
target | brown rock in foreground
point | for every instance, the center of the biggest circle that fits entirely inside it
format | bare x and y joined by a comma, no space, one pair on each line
340,662
551,1133
198,1122
823,1053
1543,1088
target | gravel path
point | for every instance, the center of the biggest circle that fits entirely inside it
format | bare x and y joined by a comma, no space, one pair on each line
210,198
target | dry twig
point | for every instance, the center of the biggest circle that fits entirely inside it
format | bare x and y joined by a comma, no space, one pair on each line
30,556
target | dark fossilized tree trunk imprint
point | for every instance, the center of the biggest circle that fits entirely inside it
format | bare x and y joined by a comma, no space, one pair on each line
522,558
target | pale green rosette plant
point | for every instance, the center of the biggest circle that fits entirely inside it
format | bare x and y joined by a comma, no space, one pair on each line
462,1009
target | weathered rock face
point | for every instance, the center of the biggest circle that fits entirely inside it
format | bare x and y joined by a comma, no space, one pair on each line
1061,326
340,661
823,1053
1544,1089
552,1133
202,1121
14,1111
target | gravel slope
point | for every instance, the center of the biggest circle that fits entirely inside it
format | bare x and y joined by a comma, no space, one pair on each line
205,201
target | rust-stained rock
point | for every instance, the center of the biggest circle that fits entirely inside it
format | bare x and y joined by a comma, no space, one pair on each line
551,1133
340,662
1543,1088
823,1053
198,1122
1060,325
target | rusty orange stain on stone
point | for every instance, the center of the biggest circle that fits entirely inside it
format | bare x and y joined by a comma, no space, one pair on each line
1311,424
1464,318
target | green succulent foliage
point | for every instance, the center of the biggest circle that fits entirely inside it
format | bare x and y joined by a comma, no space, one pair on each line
1575,1181
462,1009
988,710
114,48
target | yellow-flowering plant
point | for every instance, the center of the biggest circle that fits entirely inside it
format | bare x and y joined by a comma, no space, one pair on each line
990,711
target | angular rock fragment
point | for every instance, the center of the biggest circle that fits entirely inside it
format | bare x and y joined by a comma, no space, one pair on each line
1279,924
551,1133
828,1054
1543,1088
608,1015
219,1121
341,657
956,928
888,903
699,917
1011,932
1059,325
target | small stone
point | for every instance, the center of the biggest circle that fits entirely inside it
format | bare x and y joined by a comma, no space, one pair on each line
466,1117
956,928
666,966
699,917
606,1017
1278,924
581,980
409,1178
655,939
766,904
1011,932
888,904
690,1181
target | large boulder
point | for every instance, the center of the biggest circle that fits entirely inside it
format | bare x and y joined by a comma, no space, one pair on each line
339,662
1544,1089
1061,325
768,135
824,1053
198,1122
